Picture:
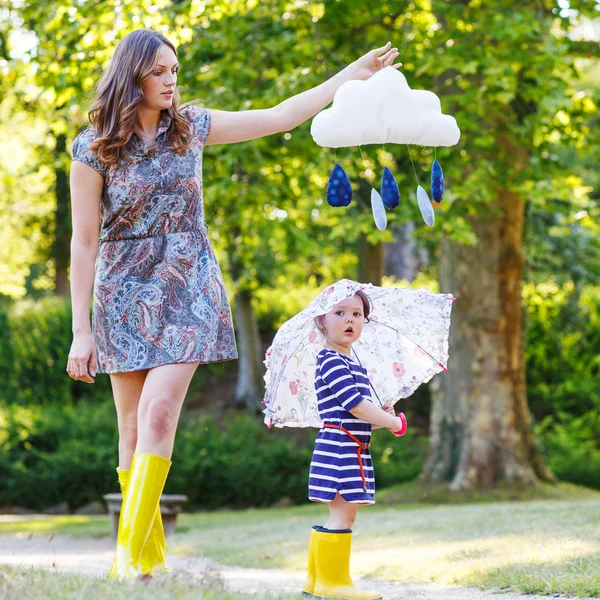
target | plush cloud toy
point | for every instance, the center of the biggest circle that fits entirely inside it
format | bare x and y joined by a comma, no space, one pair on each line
384,110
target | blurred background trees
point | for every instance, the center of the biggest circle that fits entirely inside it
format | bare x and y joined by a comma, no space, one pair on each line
517,238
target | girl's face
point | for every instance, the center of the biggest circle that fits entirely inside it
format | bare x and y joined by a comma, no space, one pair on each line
343,324
159,86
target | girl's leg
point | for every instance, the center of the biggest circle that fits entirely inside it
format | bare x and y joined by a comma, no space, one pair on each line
342,514
127,389
160,405
331,555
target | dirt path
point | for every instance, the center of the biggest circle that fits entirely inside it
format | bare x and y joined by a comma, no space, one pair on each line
94,557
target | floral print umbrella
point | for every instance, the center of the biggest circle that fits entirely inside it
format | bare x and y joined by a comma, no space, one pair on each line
404,344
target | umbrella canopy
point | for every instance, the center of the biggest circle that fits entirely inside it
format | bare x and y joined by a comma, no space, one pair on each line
404,344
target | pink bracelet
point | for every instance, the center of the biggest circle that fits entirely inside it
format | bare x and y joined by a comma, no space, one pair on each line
402,429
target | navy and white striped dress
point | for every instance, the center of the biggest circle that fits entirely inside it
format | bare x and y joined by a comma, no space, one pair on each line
341,384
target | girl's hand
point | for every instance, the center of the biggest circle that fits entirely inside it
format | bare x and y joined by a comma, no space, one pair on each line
82,356
374,61
389,409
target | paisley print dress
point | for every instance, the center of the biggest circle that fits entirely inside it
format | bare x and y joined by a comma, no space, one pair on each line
158,290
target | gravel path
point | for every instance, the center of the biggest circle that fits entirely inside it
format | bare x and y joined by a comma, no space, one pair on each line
94,557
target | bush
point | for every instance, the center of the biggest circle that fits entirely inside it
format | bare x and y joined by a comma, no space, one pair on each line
68,454
36,343
571,447
563,338
52,454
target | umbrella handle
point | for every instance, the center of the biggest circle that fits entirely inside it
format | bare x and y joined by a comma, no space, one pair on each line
404,427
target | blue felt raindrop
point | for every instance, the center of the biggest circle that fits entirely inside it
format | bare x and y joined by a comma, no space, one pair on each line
437,181
339,190
389,189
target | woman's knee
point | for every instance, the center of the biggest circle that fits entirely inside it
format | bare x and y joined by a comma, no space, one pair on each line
160,416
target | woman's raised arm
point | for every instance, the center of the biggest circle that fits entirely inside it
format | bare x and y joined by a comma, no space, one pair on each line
231,127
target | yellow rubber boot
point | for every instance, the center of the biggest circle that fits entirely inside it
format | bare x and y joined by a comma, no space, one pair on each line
142,495
308,588
332,561
154,553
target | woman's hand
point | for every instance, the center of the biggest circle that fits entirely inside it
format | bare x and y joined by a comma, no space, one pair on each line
373,61
81,357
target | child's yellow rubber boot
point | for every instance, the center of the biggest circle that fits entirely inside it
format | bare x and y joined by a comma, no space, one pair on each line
154,553
332,561
140,504
308,588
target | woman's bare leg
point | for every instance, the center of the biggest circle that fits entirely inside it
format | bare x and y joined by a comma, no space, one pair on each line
160,405
127,390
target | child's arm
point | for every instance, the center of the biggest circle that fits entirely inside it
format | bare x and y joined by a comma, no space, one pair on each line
389,410
336,374
367,411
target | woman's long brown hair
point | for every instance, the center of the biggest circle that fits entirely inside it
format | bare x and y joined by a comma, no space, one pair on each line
119,91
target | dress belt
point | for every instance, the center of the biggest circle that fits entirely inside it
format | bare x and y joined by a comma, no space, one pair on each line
203,229
361,448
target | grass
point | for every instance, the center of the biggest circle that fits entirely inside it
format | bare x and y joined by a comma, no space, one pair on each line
28,583
547,542
77,526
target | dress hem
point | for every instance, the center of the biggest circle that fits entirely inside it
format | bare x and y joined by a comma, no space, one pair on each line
325,501
178,362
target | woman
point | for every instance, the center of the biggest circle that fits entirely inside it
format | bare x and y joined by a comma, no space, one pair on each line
159,307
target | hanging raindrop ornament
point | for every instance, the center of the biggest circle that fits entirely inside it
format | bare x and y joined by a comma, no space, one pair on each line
378,209
425,206
339,190
389,189
385,110
437,181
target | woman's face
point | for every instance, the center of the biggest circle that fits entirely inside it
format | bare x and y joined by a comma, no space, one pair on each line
344,322
159,87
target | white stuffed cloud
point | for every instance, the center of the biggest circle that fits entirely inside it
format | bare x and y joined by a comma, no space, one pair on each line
384,110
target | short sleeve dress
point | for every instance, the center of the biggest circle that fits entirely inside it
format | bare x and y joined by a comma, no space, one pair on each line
159,296
341,384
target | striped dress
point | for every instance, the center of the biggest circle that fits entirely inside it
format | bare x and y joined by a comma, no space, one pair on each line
341,384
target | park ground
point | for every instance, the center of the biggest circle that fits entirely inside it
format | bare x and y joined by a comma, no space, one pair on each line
471,550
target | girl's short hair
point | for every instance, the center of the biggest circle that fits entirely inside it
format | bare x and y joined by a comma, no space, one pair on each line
366,303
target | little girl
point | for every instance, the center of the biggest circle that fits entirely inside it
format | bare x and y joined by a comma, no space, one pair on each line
341,471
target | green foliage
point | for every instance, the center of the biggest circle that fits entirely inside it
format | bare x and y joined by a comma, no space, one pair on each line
65,453
52,454
563,370
572,447
35,344
563,363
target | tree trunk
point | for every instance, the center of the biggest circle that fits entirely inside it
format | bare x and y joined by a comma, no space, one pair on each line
371,262
62,221
403,258
481,428
249,390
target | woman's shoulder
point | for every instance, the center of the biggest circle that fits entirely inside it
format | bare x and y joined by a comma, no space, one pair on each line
199,118
82,152
192,110
84,138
